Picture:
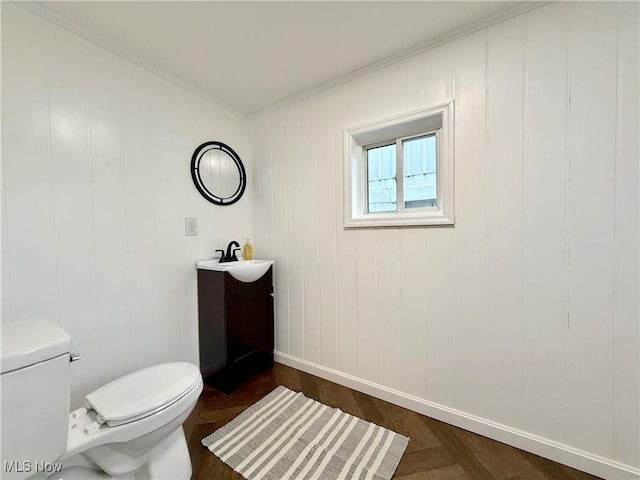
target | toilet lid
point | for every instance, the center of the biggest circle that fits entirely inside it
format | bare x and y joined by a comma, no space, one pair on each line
143,393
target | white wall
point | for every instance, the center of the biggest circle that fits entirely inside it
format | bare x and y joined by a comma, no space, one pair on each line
522,320
96,185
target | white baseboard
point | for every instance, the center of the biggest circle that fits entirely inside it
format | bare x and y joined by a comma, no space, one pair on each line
587,462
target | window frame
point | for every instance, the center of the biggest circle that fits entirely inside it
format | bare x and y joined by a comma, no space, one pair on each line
437,119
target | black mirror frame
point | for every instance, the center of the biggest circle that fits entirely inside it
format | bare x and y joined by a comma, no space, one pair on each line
197,180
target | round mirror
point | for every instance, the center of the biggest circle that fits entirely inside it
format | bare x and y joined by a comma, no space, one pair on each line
218,173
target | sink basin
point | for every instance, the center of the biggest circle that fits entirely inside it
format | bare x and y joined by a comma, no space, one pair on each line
242,270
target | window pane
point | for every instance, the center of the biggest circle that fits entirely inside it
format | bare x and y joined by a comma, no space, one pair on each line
419,175
381,179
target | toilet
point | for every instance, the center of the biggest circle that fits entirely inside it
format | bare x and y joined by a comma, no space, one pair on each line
130,428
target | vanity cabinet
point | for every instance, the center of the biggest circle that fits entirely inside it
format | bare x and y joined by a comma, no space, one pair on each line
235,327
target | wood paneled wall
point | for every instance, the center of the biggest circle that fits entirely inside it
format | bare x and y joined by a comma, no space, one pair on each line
525,313
95,187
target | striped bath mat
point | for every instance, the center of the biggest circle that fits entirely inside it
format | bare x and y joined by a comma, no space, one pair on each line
288,436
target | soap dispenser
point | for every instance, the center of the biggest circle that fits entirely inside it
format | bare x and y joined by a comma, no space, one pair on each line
247,251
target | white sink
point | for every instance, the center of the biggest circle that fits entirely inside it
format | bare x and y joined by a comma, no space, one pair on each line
242,270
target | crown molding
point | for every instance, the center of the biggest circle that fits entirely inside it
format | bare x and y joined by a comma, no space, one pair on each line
396,58
421,48
121,52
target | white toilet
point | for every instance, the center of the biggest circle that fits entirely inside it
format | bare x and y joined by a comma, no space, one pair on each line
131,428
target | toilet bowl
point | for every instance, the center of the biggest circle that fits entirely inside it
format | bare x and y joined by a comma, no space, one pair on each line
130,428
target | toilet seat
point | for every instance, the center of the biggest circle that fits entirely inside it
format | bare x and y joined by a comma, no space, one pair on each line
142,393
142,416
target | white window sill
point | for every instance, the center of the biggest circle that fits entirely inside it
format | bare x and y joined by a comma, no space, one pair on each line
394,219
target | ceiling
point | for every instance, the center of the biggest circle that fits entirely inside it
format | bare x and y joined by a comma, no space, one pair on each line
255,54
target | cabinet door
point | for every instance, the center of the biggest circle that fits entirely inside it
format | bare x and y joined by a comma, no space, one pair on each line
249,321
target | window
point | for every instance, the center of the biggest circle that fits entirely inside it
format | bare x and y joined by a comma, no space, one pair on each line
400,171
415,157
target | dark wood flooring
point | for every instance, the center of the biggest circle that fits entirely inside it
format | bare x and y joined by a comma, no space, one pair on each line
436,451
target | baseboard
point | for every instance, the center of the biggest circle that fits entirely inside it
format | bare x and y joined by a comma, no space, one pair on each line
544,447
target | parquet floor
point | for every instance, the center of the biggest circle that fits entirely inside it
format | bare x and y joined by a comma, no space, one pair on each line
437,451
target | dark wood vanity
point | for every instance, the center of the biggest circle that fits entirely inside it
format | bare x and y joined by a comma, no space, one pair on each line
235,326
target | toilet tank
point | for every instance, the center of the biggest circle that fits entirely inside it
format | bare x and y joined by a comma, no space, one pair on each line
35,359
